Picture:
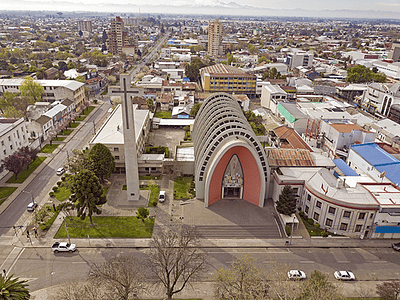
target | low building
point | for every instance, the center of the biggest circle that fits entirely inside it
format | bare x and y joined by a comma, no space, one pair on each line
13,135
110,134
271,95
54,90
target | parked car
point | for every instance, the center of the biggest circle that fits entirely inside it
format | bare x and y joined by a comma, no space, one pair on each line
60,171
296,274
344,275
63,247
396,246
161,196
32,206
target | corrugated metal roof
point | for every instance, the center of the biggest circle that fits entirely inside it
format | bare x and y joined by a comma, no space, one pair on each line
289,157
294,140
347,171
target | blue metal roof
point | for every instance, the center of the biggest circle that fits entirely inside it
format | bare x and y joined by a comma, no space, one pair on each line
387,229
380,159
347,171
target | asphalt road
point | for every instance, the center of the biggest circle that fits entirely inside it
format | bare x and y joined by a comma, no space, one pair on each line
44,269
14,211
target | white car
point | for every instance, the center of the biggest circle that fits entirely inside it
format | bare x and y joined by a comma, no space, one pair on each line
344,275
32,206
60,171
161,196
296,274
63,247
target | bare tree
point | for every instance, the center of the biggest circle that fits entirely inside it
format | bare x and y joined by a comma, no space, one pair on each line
78,290
389,290
242,280
120,277
175,258
318,287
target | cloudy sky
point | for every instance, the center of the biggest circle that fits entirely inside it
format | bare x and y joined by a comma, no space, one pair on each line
223,7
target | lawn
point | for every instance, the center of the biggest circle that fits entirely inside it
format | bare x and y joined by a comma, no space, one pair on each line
80,118
49,148
5,192
88,110
163,115
184,188
59,138
26,172
62,193
66,131
158,150
107,227
155,190
73,125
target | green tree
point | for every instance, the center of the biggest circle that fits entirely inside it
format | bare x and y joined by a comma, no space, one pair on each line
31,89
13,288
150,103
192,69
287,201
229,58
389,290
318,287
242,280
101,161
87,194
195,109
142,213
360,74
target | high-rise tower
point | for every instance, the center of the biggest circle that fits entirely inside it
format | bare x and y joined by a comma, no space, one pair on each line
215,38
116,36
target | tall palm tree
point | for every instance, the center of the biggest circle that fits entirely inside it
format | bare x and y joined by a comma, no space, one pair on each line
13,288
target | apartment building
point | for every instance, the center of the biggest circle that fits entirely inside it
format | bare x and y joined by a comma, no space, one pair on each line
116,36
13,135
215,38
85,26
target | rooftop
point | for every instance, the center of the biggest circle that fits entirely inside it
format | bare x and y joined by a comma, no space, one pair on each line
221,69
289,157
293,138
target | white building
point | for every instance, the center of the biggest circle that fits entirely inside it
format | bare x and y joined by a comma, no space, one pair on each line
379,97
54,90
271,95
297,57
13,135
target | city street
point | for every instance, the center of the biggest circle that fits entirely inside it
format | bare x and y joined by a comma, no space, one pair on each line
46,178
44,269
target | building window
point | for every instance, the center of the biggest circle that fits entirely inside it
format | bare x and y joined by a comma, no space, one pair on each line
116,149
329,222
4,151
332,210
116,157
295,190
346,214
361,216
316,216
306,210
371,215
9,138
308,197
358,228
343,226
319,204
2,143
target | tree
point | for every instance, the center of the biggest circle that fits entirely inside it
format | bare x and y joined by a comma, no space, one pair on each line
78,290
101,161
287,201
192,69
28,152
13,288
175,258
87,194
15,163
120,276
318,287
195,109
360,74
142,213
242,280
31,89
14,105
389,290
150,103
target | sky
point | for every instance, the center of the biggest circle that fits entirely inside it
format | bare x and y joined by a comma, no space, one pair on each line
257,7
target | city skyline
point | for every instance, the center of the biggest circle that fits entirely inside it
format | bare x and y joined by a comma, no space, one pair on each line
302,8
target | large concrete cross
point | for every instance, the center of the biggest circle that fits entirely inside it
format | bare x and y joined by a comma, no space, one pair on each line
128,117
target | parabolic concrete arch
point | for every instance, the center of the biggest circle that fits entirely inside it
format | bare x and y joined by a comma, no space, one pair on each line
229,160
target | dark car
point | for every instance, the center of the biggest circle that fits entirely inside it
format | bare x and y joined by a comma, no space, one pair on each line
396,246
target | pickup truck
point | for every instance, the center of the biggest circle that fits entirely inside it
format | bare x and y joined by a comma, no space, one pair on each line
63,247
